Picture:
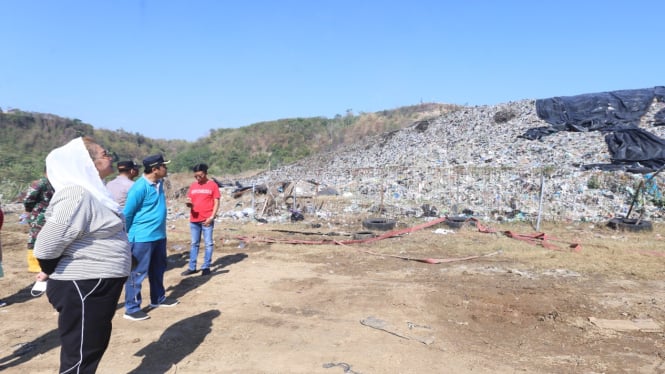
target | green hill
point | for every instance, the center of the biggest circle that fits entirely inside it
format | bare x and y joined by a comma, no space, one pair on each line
27,137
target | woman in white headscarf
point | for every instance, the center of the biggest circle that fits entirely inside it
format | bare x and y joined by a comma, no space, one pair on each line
83,248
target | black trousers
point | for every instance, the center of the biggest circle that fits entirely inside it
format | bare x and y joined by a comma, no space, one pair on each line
86,308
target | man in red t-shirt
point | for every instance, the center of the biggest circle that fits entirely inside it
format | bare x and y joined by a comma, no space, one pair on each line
203,202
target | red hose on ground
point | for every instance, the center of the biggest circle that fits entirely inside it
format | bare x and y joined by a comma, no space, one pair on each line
535,239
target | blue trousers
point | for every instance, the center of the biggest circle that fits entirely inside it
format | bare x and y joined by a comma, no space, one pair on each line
151,262
196,228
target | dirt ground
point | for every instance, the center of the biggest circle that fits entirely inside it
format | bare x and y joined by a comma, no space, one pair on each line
358,308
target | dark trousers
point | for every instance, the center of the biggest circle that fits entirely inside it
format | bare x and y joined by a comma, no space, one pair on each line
86,308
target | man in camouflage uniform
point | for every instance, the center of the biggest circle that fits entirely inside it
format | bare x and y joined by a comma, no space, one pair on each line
36,201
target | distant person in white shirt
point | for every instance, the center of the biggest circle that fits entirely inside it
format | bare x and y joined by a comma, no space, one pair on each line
118,187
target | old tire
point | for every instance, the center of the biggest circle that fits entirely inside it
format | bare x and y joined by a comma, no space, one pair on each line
363,235
629,224
455,222
382,224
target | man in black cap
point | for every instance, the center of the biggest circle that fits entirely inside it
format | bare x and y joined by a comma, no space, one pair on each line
118,187
145,220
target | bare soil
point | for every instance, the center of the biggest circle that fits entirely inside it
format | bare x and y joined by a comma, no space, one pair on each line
359,308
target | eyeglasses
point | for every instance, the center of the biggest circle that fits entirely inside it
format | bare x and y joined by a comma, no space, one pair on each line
110,155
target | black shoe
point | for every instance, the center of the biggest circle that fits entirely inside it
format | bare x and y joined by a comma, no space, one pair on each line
166,303
205,272
189,272
136,316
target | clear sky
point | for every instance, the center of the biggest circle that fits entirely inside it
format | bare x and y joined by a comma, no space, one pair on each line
177,69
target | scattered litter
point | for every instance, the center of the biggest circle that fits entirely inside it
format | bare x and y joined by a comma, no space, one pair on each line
520,273
344,365
644,325
562,273
443,231
412,325
382,325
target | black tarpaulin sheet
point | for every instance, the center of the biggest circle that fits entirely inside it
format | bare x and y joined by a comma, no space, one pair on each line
604,111
617,113
636,147
634,150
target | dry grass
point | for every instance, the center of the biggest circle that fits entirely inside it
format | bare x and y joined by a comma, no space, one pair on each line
603,251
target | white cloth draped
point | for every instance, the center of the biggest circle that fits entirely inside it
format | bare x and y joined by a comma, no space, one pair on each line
71,165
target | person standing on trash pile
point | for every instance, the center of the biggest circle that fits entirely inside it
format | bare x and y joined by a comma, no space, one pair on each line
83,248
120,185
37,198
145,212
203,202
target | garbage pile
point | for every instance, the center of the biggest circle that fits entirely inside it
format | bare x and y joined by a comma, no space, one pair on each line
475,161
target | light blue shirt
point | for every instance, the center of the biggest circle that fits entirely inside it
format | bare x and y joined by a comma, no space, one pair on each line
145,211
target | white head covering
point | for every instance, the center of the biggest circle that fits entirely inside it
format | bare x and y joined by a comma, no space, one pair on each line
71,165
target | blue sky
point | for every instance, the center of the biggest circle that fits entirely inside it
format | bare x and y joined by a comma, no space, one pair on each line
177,69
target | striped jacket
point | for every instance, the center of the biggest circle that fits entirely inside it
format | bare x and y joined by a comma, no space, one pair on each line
88,238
